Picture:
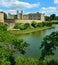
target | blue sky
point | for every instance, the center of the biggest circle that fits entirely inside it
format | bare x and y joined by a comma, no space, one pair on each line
29,6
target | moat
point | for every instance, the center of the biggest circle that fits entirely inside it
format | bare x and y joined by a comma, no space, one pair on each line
35,40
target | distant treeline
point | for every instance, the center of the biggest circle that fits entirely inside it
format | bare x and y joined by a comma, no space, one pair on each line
51,17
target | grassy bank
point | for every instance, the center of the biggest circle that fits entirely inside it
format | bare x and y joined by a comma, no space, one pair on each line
29,30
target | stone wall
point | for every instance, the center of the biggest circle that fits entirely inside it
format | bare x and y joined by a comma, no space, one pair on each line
27,21
11,22
1,17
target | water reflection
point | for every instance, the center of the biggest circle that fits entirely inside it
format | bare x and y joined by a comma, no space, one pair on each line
35,40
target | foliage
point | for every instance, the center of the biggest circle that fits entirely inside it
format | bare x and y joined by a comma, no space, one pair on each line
47,18
48,23
40,24
11,40
19,45
34,24
5,15
26,25
3,27
26,61
22,26
4,56
10,45
49,44
17,26
52,17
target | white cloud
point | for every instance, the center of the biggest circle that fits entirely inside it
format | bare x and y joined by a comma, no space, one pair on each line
48,10
16,4
56,1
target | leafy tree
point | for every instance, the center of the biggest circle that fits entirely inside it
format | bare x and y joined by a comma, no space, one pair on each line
26,25
5,15
40,24
47,18
52,17
3,27
4,56
49,44
34,24
56,17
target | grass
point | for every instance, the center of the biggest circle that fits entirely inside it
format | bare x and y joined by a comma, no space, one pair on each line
16,32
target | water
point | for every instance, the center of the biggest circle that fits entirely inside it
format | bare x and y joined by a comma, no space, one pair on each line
35,40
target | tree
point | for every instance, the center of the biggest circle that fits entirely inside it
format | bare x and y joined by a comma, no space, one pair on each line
5,15
4,56
3,27
34,24
49,44
47,18
52,17
56,17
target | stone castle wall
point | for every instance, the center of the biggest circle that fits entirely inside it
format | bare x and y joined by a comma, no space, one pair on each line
1,17
27,21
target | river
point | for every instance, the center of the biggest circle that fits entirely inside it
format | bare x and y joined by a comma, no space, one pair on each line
35,40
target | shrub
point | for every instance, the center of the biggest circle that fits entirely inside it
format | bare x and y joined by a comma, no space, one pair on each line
22,26
40,25
17,26
26,61
34,24
3,27
26,25
48,23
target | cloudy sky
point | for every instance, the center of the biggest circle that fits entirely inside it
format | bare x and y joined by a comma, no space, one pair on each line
45,6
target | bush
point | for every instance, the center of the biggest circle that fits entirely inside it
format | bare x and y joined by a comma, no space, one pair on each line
17,26
22,26
40,24
34,24
48,23
26,25
26,61
3,27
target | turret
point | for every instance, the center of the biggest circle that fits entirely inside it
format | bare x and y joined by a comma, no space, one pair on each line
21,15
18,15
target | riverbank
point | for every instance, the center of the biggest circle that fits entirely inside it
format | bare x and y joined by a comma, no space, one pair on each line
16,32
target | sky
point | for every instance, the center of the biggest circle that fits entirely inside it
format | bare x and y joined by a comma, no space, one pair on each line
29,6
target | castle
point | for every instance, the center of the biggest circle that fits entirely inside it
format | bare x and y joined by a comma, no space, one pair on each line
30,16
21,18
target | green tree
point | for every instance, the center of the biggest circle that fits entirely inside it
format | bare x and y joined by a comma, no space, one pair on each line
34,24
5,15
52,17
47,18
3,27
49,44
4,56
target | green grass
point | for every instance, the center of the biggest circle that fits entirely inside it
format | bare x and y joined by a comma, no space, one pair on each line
29,30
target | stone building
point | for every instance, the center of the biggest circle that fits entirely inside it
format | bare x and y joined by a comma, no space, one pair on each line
1,17
30,16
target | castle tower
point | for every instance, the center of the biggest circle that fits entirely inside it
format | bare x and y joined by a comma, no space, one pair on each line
1,17
18,16
21,15
42,17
